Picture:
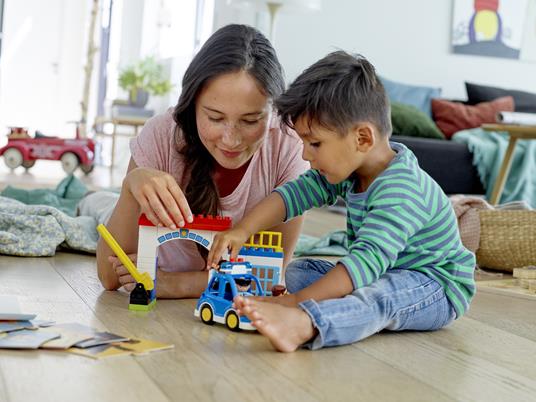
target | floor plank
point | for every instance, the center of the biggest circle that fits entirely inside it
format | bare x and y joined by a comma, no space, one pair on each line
487,355
456,371
210,362
47,174
58,376
511,314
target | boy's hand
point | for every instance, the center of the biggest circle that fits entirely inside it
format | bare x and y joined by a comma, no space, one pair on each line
231,240
125,279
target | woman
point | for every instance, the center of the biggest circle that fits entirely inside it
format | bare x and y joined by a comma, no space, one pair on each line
220,151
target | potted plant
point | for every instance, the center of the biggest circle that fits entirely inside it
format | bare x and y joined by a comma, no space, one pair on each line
143,78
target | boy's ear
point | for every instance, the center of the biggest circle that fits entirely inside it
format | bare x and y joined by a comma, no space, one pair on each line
364,136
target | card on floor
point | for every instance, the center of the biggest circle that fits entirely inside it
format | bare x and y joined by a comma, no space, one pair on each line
100,352
69,336
8,326
42,323
25,339
10,309
101,338
76,327
143,346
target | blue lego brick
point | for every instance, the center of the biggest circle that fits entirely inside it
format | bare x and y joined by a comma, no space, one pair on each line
152,296
161,239
205,243
260,252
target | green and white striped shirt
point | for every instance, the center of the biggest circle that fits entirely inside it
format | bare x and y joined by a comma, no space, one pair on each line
403,220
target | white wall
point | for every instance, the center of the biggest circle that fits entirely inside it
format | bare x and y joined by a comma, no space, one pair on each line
41,70
162,29
408,41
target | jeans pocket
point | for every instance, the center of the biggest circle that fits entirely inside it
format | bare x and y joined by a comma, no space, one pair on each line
429,314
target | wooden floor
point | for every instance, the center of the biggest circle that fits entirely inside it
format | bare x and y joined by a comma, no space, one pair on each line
47,174
489,355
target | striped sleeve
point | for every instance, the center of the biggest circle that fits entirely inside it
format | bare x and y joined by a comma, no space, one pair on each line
396,211
308,191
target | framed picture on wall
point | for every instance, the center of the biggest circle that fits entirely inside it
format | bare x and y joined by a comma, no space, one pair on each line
489,27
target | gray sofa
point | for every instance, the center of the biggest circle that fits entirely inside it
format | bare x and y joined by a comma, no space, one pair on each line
449,163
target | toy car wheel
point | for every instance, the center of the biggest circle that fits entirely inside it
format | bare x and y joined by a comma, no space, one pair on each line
232,321
69,162
207,316
13,158
28,164
87,169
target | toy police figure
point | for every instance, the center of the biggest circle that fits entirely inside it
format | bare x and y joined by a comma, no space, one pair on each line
243,286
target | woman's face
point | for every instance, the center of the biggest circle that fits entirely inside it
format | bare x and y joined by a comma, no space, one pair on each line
232,116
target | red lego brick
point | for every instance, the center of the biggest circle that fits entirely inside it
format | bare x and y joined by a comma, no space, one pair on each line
213,223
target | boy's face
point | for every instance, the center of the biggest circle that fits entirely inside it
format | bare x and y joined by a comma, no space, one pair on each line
334,156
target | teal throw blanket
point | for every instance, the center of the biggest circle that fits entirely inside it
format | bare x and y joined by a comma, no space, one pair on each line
64,197
333,244
488,150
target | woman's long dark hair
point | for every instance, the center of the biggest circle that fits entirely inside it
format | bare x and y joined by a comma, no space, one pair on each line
232,48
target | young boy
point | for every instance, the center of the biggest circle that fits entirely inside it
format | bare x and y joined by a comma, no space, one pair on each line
406,268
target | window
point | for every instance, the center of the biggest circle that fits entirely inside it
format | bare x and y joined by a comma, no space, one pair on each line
215,286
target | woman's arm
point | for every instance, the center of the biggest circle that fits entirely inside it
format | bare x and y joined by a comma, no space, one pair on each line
123,225
144,190
180,285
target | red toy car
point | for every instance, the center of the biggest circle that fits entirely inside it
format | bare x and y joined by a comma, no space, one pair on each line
23,150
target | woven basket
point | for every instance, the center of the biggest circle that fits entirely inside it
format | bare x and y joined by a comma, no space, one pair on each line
507,239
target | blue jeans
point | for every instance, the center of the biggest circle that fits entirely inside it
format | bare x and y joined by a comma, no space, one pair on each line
399,300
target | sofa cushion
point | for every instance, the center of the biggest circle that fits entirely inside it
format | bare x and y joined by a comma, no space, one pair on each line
417,96
410,121
452,117
524,101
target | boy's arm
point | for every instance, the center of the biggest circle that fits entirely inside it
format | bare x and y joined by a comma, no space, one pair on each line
375,249
385,231
285,203
382,235
335,284
268,213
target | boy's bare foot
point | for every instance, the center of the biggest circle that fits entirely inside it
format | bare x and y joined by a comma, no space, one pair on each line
287,328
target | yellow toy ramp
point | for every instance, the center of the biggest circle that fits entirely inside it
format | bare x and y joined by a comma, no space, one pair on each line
144,278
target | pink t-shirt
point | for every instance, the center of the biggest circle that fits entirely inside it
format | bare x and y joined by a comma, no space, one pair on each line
277,161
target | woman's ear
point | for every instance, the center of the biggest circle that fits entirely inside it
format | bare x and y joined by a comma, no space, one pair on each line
364,137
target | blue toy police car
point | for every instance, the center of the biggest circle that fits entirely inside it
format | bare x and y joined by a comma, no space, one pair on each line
215,304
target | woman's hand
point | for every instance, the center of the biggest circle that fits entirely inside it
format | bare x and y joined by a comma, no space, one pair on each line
159,196
231,240
125,279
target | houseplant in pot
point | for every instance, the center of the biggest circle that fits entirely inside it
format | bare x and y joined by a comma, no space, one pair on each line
144,78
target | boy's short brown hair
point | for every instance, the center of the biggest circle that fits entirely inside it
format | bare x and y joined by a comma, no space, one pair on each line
337,92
